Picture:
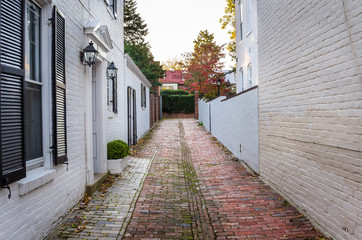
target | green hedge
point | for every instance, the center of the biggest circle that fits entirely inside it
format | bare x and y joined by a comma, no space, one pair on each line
117,149
174,92
178,103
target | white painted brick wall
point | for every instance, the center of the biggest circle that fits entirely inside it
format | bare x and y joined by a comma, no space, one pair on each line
34,214
133,78
310,95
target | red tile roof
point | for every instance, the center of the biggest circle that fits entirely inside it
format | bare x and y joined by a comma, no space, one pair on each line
173,76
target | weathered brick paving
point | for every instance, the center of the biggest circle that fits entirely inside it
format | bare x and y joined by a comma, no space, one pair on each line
106,215
240,205
193,190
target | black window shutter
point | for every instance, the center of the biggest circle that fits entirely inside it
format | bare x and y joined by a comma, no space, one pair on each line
12,25
59,89
115,95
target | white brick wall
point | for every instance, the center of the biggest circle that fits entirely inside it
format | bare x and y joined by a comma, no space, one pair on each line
133,78
310,111
33,215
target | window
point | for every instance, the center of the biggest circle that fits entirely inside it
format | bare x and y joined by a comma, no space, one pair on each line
248,16
250,76
113,7
241,19
33,86
241,72
112,94
143,95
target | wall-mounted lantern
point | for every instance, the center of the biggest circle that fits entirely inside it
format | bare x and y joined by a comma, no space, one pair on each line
218,83
89,54
112,71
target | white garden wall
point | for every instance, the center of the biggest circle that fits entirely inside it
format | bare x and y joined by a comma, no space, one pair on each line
234,122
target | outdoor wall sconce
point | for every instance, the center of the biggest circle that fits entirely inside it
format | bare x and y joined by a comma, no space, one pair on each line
89,54
218,83
112,71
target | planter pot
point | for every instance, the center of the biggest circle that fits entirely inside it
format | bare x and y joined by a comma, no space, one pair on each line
117,166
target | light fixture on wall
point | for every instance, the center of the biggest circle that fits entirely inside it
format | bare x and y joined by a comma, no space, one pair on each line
89,54
112,71
218,83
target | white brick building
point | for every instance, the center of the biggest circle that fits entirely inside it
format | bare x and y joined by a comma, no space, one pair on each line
246,44
47,159
310,95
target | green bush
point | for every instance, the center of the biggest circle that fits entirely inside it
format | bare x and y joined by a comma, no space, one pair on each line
117,149
174,92
178,103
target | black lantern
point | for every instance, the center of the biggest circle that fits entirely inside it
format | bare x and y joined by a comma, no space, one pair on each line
112,71
218,83
89,54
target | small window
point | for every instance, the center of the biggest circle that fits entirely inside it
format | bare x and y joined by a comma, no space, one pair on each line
112,94
250,76
241,20
248,16
241,72
143,95
113,7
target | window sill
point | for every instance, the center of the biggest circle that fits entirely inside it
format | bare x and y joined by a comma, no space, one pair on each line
35,179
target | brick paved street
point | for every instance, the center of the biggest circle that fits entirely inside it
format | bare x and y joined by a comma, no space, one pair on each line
194,189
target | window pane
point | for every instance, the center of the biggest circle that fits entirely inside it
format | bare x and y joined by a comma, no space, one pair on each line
33,121
32,42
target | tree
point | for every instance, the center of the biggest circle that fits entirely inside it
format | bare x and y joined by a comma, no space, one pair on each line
204,66
229,20
174,63
135,45
143,58
135,28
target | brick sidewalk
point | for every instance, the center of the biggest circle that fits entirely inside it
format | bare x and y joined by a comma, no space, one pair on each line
195,190
192,189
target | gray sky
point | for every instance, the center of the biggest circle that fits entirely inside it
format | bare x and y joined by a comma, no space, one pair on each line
174,24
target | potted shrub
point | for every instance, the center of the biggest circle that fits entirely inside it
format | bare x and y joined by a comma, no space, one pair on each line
116,151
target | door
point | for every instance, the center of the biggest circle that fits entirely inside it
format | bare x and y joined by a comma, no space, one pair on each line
129,115
134,108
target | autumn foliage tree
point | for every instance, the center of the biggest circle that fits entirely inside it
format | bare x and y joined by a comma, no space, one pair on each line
204,66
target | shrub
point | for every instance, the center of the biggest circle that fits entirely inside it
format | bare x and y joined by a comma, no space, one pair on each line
178,103
174,92
117,149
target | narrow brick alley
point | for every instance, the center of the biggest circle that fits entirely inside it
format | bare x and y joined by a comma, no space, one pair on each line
183,184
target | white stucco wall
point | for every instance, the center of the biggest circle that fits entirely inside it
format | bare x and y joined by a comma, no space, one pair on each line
204,114
40,199
234,122
310,95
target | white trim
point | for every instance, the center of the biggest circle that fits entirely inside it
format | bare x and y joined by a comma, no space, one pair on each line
134,68
35,179
90,30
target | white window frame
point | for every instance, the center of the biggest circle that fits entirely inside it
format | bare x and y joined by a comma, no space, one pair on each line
241,19
250,75
248,17
241,72
46,90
